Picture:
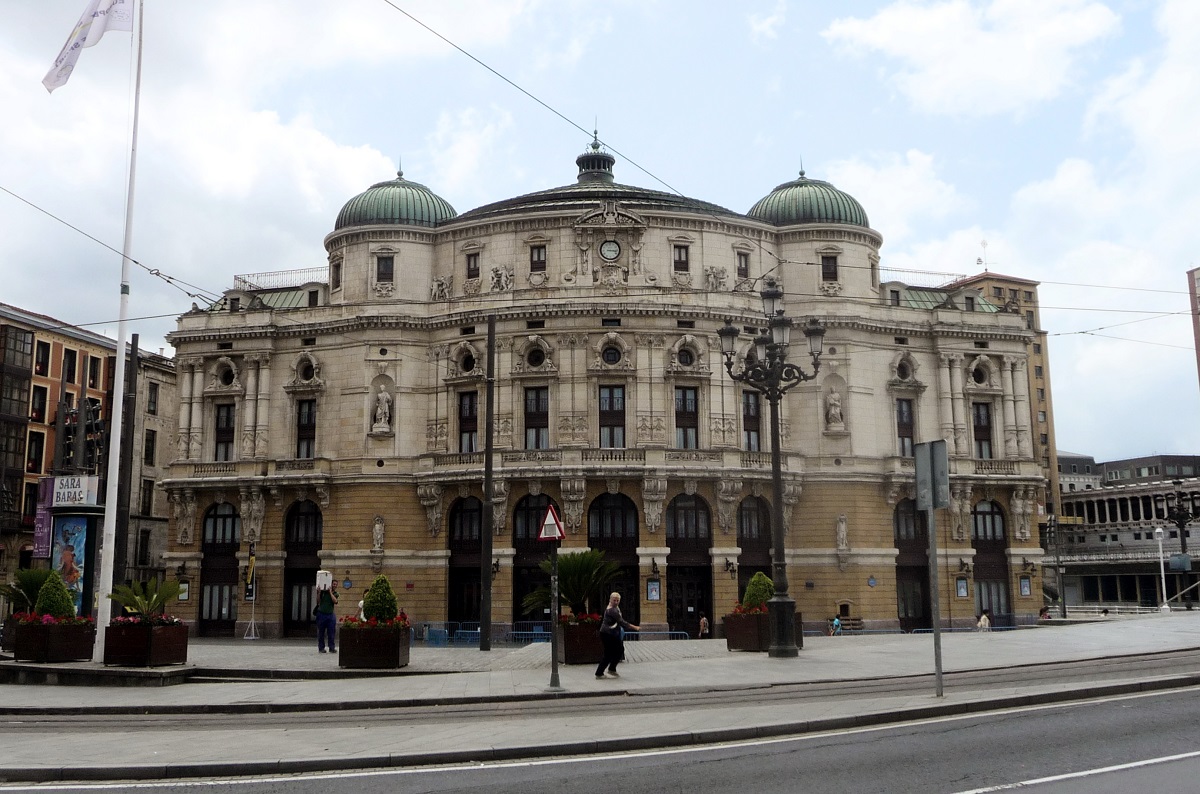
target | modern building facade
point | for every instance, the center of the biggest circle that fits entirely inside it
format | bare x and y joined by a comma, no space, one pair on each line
335,418
1077,472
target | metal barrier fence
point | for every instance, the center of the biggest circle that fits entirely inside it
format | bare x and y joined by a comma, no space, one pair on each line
666,635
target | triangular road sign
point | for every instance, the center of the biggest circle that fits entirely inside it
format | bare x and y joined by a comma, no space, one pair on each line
552,528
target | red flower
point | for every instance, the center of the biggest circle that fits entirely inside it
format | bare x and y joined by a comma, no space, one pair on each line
738,609
355,622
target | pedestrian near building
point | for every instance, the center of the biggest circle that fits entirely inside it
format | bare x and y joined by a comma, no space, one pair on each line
703,626
610,636
326,619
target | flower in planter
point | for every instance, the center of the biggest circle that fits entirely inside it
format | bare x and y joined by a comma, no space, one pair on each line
759,590
584,619
26,618
145,604
145,620
355,622
742,609
380,608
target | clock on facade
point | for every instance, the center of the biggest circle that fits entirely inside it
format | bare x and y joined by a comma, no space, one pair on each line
610,249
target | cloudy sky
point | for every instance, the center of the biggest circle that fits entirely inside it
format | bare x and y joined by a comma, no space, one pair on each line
1061,132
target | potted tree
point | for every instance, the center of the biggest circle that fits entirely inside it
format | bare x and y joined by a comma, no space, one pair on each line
53,632
584,578
380,638
145,636
22,595
747,627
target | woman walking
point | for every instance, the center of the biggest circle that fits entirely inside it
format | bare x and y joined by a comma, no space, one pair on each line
610,636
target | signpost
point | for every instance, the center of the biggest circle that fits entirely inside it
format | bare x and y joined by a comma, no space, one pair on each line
933,491
552,530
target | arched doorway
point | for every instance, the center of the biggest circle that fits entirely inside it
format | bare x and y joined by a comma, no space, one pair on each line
990,541
463,589
754,539
689,566
302,544
912,567
528,576
219,578
613,529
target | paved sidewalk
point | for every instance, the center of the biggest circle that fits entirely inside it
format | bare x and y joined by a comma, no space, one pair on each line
456,675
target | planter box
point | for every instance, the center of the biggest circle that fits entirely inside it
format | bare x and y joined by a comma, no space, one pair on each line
10,634
753,632
378,648
40,642
580,644
133,645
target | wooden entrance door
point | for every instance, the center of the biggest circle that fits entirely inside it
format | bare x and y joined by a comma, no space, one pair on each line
689,592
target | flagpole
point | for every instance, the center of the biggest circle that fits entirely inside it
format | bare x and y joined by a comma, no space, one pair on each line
109,542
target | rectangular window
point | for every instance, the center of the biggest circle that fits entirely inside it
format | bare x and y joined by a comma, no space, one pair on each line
37,407
1041,395
681,259
14,397
829,268
147,497
69,359
537,417
385,268
12,445
472,265
1041,416
743,264
41,359
612,417
468,421
1028,295
998,292
29,506
1029,321
1044,438
150,447
143,548
314,298
35,452
894,297
981,420
223,432
904,427
94,372
687,417
306,429
1037,349
751,421
968,303
335,275
537,259
152,399
1012,294
1037,372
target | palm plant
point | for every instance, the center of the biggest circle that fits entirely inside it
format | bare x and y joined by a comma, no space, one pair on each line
23,592
150,599
584,578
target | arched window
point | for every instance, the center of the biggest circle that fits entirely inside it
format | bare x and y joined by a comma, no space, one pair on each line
303,524
905,523
527,518
612,522
222,525
987,521
687,520
754,522
466,519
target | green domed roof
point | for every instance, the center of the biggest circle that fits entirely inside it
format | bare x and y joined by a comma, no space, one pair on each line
807,200
397,201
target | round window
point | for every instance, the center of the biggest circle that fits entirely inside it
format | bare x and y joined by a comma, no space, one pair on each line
535,357
611,354
686,357
227,377
903,372
468,363
979,375
307,371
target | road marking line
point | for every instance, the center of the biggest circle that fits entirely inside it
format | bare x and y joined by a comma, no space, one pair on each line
1084,774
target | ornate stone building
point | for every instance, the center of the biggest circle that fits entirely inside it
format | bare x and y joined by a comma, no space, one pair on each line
335,418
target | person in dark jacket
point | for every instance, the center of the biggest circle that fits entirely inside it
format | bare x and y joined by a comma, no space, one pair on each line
610,636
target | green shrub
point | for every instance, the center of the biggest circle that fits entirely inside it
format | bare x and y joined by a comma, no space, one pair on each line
379,602
54,599
759,590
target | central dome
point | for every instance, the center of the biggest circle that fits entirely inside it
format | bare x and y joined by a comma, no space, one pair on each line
805,200
397,201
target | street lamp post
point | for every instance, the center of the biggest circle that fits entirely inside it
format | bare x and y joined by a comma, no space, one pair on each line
1162,570
1180,509
771,374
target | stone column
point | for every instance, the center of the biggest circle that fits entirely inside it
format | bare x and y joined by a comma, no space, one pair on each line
249,408
961,446
196,431
182,442
263,406
1024,420
1010,421
945,404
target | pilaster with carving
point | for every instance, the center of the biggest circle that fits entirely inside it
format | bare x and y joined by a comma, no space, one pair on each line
574,490
960,509
253,508
499,504
728,494
791,495
430,495
654,491
183,506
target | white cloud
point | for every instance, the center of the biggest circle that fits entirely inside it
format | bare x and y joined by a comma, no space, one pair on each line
462,150
767,26
961,58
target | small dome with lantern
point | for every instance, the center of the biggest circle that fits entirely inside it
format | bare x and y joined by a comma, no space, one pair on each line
805,200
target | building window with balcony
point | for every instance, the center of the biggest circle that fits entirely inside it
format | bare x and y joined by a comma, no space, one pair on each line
69,360
468,421
687,417
904,427
93,372
385,268
612,417
35,453
41,358
537,417
223,432
987,522
981,422
743,264
751,421
150,448
680,258
37,406
473,265
152,398
537,259
147,496
306,429
829,268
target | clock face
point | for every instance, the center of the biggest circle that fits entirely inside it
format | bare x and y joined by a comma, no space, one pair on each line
610,249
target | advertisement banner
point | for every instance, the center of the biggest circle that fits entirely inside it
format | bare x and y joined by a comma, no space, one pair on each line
42,524
75,491
69,554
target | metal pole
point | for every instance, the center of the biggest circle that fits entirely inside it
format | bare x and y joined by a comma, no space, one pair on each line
554,622
935,600
485,531
1162,571
781,607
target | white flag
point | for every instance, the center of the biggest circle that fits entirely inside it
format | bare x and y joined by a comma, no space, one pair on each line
98,17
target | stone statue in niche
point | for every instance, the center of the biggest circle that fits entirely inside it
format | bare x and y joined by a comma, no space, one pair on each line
842,533
833,411
377,534
440,289
383,411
